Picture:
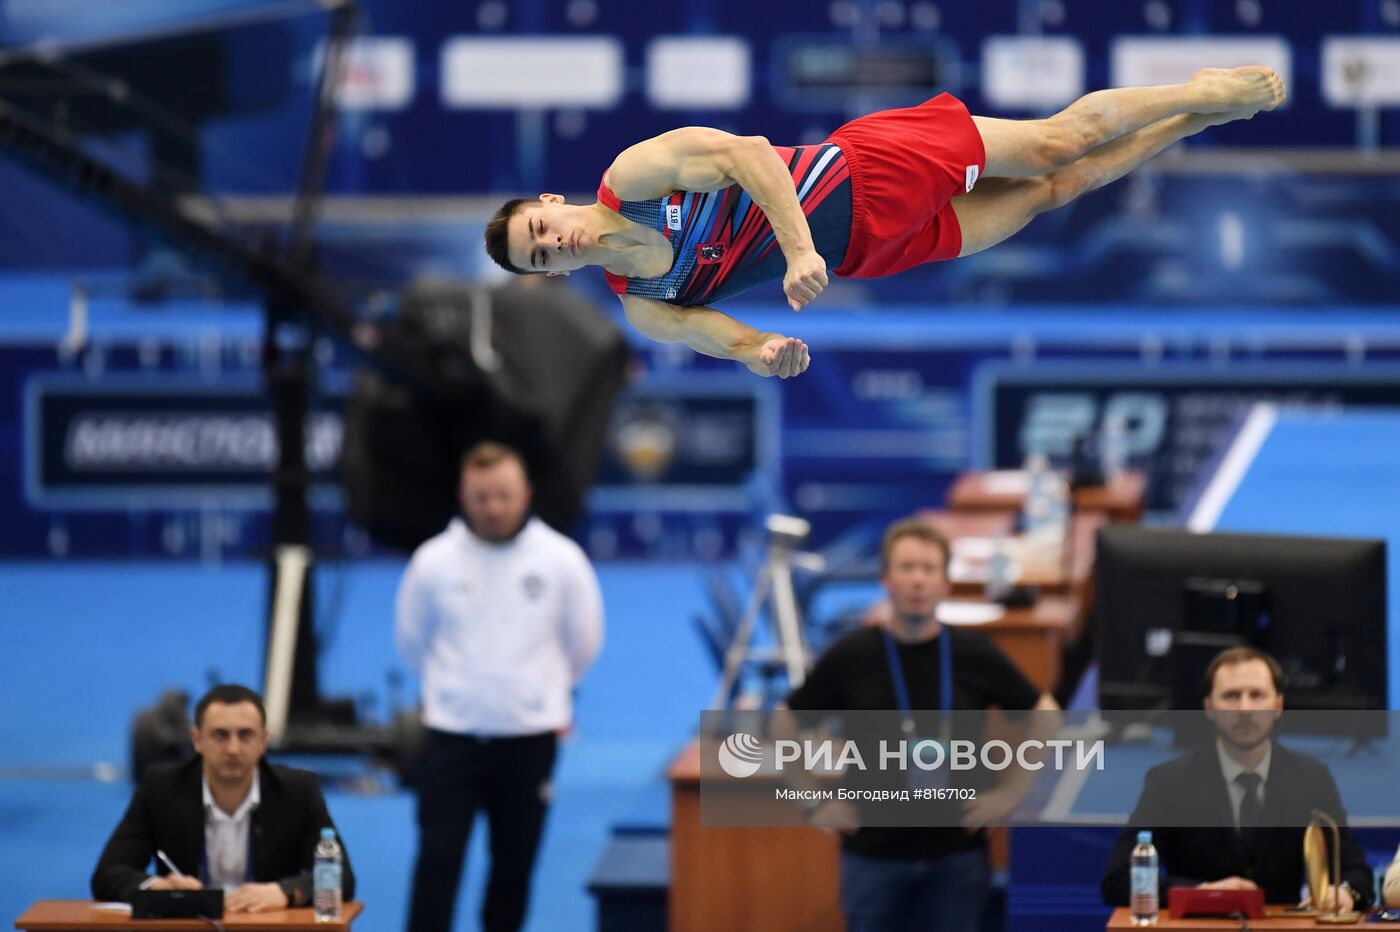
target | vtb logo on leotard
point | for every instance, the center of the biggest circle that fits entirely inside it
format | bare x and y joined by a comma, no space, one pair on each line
673,216
709,252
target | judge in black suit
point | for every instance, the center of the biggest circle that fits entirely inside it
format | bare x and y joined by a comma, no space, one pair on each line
1248,797
226,818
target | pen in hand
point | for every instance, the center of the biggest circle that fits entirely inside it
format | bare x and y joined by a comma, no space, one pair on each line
175,880
169,863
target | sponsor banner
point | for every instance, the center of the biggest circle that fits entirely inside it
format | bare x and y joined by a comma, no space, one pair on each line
105,444
1361,71
689,443
819,72
1032,72
966,770
1175,417
502,73
699,73
377,73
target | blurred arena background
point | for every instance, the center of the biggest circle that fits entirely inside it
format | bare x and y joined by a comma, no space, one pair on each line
197,251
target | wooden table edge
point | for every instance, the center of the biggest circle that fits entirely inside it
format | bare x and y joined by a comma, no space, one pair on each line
94,919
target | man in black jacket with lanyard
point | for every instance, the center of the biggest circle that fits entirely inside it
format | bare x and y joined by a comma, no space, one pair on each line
931,879
225,818
1243,799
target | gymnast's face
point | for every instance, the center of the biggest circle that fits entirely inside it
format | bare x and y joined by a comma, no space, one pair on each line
551,236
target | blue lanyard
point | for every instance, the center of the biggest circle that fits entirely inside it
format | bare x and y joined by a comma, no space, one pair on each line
901,689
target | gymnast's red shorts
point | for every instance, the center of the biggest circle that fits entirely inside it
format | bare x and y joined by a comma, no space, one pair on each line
906,166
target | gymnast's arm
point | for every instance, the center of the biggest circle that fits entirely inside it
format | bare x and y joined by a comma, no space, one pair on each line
712,333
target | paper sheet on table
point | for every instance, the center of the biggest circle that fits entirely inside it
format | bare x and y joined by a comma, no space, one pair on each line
1006,482
973,548
113,907
965,571
971,558
969,613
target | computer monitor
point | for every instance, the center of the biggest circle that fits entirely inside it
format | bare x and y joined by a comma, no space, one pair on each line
1166,601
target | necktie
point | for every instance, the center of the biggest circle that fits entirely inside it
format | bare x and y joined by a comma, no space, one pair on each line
1251,809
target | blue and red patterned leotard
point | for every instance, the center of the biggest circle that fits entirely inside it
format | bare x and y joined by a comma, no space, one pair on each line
723,244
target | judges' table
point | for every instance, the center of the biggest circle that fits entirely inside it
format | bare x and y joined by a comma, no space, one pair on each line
1275,917
746,879
1123,499
86,916
1076,578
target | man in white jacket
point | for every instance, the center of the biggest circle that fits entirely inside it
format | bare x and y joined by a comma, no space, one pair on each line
500,616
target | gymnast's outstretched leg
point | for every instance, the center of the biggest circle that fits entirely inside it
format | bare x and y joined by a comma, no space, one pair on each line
999,207
1025,148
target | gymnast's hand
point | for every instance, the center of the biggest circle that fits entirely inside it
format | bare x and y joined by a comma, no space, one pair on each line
805,278
784,357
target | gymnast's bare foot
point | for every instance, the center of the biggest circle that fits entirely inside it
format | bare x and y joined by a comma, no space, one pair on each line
1228,116
1225,90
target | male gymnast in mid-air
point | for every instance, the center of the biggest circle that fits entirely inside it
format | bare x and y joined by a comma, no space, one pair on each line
697,215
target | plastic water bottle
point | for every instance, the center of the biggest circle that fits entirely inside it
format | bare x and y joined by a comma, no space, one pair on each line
1113,448
1045,520
1057,506
999,581
1035,510
326,878
1145,880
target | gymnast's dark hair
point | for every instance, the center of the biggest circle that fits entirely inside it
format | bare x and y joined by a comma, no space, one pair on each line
497,244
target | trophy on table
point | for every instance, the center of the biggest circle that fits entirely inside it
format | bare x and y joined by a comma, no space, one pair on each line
1320,879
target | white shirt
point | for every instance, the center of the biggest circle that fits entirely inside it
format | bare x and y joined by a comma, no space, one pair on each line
1232,768
226,837
499,633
